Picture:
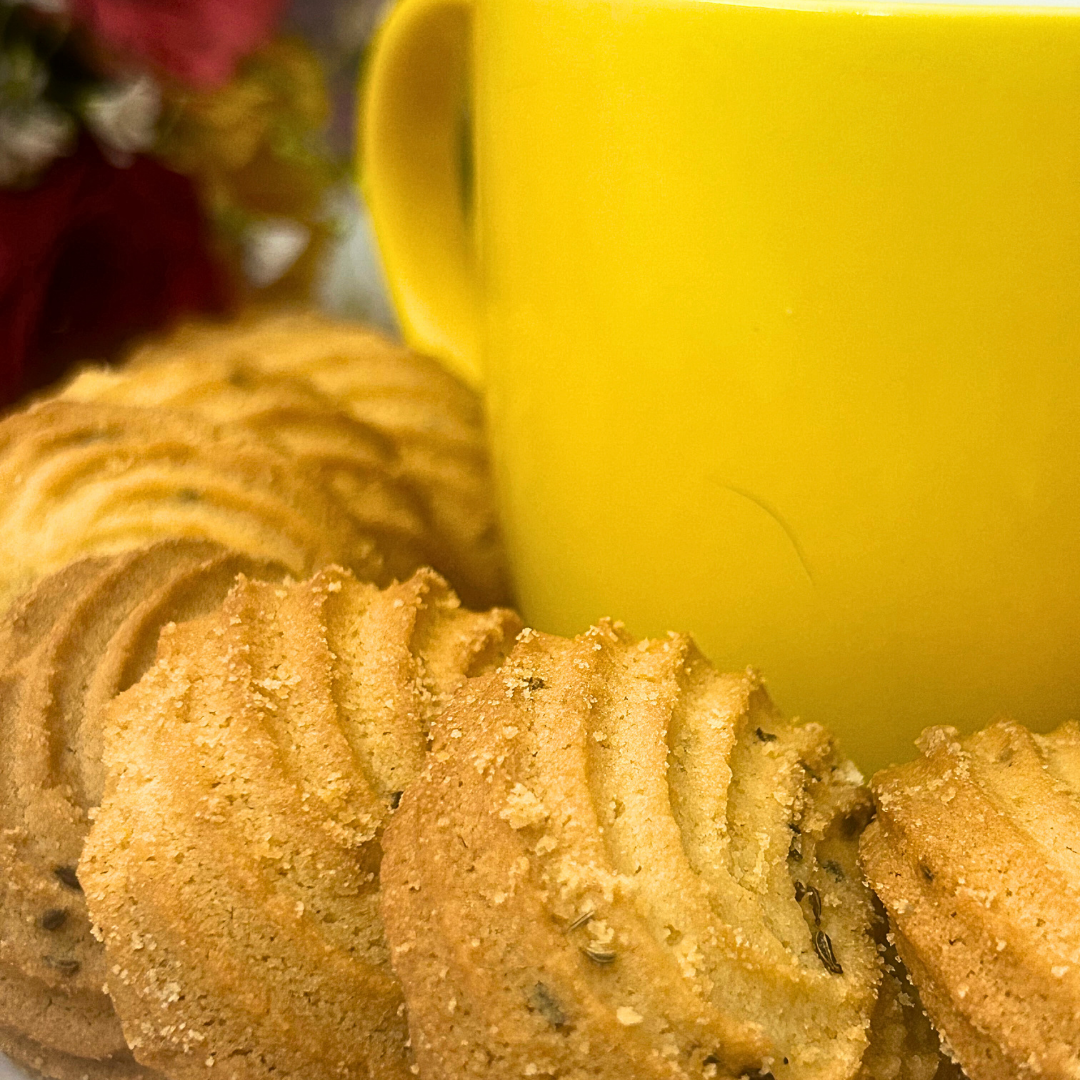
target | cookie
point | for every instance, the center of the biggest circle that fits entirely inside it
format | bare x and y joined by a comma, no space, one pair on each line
70,644
83,479
974,854
38,1060
619,862
355,458
233,865
903,1043
432,420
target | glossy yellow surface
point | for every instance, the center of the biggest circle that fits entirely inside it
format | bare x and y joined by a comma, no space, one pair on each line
778,311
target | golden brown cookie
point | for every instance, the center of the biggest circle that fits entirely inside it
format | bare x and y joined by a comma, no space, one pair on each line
70,644
83,479
621,863
903,1043
433,422
233,866
974,853
38,1060
358,460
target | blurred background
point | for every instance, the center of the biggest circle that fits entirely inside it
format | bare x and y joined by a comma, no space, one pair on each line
168,159
352,283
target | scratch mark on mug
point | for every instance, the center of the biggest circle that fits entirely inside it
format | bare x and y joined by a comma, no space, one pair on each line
778,518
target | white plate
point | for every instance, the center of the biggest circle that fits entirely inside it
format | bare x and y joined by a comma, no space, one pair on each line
8,1071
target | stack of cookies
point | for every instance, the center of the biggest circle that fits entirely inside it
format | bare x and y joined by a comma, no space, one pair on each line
133,500
285,792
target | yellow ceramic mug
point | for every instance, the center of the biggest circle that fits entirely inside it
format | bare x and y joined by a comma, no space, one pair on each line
777,314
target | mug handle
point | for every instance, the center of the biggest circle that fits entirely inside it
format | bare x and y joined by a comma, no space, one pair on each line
414,174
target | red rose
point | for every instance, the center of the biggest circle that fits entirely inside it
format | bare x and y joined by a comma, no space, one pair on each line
197,41
93,255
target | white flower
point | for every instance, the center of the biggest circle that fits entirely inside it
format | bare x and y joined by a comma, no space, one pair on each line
271,247
30,137
123,116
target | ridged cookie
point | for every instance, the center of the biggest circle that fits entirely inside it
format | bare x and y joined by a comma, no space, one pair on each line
79,637
86,478
361,463
974,853
903,1043
38,1060
433,421
620,863
233,866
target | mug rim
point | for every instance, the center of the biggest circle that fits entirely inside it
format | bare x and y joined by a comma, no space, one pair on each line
968,8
